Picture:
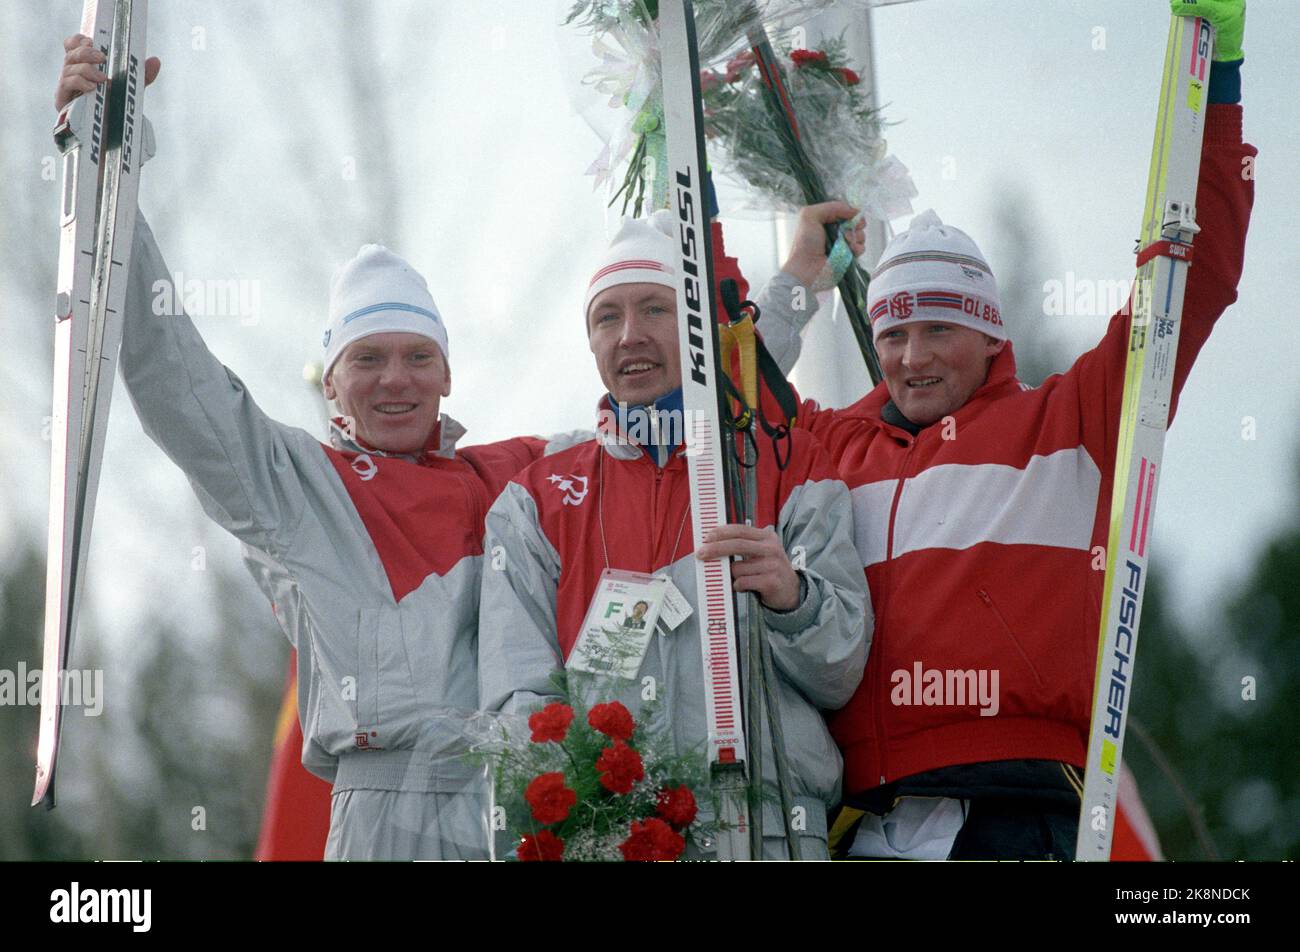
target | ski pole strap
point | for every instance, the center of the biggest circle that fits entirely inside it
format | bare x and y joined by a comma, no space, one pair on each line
1167,248
756,367
783,393
777,385
739,358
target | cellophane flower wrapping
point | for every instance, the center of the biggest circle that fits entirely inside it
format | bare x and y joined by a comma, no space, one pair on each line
841,134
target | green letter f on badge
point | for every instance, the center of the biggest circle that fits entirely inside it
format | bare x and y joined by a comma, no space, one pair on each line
613,607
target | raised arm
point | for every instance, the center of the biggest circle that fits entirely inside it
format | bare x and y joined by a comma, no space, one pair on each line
239,461
1224,196
197,412
788,302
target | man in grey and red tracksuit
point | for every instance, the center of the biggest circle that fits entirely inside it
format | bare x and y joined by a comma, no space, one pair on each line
979,505
622,501
369,547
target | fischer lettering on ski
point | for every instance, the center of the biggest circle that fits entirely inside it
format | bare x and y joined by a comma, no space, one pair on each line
1164,254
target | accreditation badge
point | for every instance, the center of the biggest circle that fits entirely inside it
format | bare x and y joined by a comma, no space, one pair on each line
619,624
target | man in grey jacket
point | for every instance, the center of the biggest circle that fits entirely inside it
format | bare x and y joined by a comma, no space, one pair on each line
370,548
622,501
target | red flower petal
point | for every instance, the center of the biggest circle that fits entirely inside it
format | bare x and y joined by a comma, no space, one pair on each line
613,720
802,58
548,798
677,806
651,840
551,723
543,846
620,768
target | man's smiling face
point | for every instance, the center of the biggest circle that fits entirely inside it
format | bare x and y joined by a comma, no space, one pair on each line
632,331
932,368
392,385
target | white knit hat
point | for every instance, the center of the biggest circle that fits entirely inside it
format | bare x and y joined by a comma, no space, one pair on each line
643,252
934,272
377,292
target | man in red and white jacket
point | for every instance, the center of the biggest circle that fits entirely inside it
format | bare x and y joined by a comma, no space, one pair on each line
622,501
979,503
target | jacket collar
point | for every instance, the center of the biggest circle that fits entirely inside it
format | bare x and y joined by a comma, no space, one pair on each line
653,430
440,445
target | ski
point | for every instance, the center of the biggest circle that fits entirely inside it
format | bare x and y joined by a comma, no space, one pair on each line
704,402
102,138
1164,255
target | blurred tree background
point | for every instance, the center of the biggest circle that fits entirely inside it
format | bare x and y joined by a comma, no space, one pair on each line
175,765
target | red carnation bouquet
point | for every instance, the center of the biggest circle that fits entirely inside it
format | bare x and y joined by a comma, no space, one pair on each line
594,785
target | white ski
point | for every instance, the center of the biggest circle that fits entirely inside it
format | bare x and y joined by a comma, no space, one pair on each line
702,398
1168,224
102,138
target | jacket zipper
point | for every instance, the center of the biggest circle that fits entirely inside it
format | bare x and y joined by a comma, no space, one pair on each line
654,511
878,639
984,596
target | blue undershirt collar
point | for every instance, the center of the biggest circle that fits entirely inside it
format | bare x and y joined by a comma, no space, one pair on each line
655,427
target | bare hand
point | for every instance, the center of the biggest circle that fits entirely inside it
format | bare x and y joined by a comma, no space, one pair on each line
808,253
762,564
82,72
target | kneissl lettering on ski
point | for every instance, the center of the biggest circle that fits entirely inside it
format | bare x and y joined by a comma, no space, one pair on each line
703,404
99,142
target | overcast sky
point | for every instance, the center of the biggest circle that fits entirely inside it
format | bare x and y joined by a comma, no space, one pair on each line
285,140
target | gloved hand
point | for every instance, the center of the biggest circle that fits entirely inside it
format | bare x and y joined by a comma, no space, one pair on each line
1228,17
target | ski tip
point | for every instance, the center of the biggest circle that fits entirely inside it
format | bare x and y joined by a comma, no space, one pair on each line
44,792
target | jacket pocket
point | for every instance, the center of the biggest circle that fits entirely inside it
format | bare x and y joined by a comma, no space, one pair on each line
1011,636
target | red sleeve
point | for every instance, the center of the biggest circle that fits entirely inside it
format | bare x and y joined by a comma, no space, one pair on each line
1225,192
497,463
723,268
1224,196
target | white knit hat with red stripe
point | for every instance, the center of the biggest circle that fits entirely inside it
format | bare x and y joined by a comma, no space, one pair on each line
643,252
934,272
